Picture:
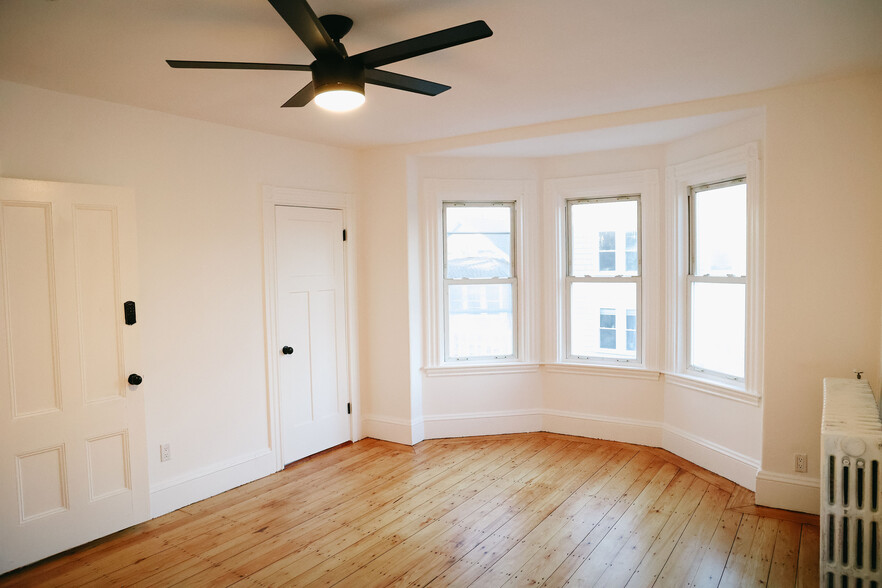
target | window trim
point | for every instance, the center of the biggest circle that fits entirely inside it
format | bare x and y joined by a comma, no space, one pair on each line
556,193
743,161
571,279
435,191
512,280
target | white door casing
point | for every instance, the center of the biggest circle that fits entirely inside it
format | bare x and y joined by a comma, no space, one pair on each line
72,433
311,322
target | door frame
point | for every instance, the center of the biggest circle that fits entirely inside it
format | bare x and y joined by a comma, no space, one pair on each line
277,196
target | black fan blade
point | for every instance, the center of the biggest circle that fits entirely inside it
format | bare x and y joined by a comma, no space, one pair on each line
425,44
402,82
235,65
301,98
305,23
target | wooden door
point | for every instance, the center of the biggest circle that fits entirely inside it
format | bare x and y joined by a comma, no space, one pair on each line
72,441
314,393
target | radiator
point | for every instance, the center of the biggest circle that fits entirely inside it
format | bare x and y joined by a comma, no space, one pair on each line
851,520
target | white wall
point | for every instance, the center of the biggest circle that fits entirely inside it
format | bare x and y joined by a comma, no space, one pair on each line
823,258
198,190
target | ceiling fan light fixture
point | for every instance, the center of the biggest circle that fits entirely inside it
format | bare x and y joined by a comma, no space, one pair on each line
339,100
339,85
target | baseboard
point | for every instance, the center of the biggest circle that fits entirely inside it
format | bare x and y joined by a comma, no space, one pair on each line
603,427
206,482
482,423
392,429
800,493
732,465
721,460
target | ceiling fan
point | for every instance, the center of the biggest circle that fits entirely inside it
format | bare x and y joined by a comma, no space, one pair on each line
338,78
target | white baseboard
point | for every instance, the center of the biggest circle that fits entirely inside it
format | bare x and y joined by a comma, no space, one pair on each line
392,429
721,460
206,482
603,427
800,493
732,465
482,423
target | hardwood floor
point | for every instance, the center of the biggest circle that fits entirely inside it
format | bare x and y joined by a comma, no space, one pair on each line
515,510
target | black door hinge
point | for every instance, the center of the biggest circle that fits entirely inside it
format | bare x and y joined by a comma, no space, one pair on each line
344,234
348,408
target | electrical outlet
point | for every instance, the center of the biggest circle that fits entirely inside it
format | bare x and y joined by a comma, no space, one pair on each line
800,462
165,452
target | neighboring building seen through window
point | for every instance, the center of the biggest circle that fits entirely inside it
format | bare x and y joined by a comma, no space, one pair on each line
718,278
479,280
603,278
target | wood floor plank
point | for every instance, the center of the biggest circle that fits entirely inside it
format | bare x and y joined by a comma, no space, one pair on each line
676,555
644,533
807,573
785,555
526,509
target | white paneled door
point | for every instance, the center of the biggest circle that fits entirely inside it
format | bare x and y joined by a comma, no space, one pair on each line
313,386
72,443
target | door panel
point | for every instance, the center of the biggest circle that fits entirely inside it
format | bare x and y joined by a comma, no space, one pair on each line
30,307
310,276
97,296
72,454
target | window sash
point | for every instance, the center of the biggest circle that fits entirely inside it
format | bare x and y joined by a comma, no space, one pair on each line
476,204
604,200
512,280
693,191
638,295
636,279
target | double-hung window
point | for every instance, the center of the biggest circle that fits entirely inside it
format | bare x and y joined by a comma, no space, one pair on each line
717,279
603,279
480,281
715,274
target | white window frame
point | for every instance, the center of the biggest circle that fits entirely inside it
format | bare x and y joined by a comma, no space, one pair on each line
617,279
734,163
437,191
692,279
512,280
556,194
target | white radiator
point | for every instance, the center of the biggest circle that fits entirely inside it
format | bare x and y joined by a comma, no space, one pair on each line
851,496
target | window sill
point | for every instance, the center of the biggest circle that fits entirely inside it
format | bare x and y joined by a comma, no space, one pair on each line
636,373
480,369
713,388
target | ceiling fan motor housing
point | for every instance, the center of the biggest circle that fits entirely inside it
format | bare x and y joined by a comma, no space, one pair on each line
337,74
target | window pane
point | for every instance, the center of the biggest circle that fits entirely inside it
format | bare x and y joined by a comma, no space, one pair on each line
478,242
606,261
718,328
631,252
598,311
607,318
631,330
607,328
720,240
601,233
631,262
480,320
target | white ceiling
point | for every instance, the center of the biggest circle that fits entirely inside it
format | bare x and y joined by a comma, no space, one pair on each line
547,60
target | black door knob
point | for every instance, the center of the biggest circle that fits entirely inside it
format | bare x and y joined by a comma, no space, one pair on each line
135,379
287,350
